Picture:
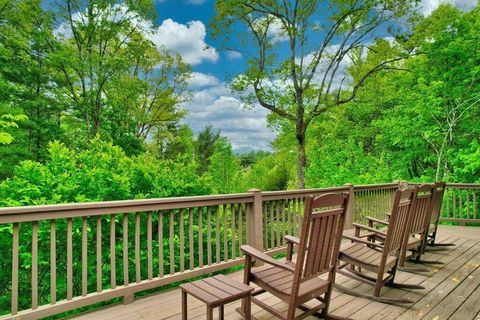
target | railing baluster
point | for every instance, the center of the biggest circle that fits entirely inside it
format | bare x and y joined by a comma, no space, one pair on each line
15,240
225,234
200,237
283,221
190,239
182,242
53,263
126,280
289,216
217,233
149,246
99,254
460,192
240,229
467,203
234,240
113,267
84,256
172,243
34,265
69,259
209,235
265,224
161,271
277,222
474,204
454,204
138,276
447,195
272,225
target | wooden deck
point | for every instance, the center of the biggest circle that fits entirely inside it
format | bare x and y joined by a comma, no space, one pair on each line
452,291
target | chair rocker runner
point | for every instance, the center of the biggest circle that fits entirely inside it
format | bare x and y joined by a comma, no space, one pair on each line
432,224
299,282
379,258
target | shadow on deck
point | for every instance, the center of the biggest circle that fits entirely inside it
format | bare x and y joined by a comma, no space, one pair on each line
452,291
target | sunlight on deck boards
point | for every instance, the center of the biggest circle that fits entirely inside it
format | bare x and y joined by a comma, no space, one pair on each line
452,291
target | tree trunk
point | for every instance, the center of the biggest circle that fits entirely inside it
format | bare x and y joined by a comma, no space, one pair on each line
301,161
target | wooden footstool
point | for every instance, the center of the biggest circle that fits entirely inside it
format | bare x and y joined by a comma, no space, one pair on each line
216,292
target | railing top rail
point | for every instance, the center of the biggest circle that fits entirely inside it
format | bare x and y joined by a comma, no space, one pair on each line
392,185
463,185
126,205
274,195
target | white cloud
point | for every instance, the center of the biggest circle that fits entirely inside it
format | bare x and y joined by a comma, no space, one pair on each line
273,27
233,55
199,80
427,6
188,40
215,105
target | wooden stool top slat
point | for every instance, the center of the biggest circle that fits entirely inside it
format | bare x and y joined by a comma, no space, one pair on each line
217,290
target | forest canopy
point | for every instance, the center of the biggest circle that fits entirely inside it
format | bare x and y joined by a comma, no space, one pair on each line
92,110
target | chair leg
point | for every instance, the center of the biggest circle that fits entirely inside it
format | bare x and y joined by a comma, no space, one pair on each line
184,305
209,313
378,285
248,308
221,312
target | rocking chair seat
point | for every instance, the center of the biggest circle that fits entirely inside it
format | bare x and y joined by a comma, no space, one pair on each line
413,242
363,256
279,282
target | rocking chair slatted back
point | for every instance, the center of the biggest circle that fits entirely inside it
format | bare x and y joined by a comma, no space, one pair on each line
401,212
421,209
437,201
321,235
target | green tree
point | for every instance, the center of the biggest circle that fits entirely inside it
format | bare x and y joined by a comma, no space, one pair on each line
310,78
224,169
205,147
9,121
27,81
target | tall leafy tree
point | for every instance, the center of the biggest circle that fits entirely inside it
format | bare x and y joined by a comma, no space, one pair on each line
205,147
310,78
224,169
27,80
116,80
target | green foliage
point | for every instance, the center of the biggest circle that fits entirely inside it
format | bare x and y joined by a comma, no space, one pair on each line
224,169
100,173
9,121
205,147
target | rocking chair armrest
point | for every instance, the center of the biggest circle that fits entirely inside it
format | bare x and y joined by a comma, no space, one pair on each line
259,255
372,219
370,243
361,226
292,239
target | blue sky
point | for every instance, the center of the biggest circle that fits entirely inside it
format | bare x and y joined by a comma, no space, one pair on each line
212,102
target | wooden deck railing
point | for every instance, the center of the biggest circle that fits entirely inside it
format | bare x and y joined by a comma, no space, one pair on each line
461,203
68,256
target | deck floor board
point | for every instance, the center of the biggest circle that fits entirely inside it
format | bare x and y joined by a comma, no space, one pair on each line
452,292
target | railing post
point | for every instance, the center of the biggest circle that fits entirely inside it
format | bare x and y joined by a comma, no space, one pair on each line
128,298
255,221
349,218
402,184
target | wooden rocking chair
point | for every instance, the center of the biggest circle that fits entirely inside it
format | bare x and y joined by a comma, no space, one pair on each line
298,282
415,233
379,258
432,224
